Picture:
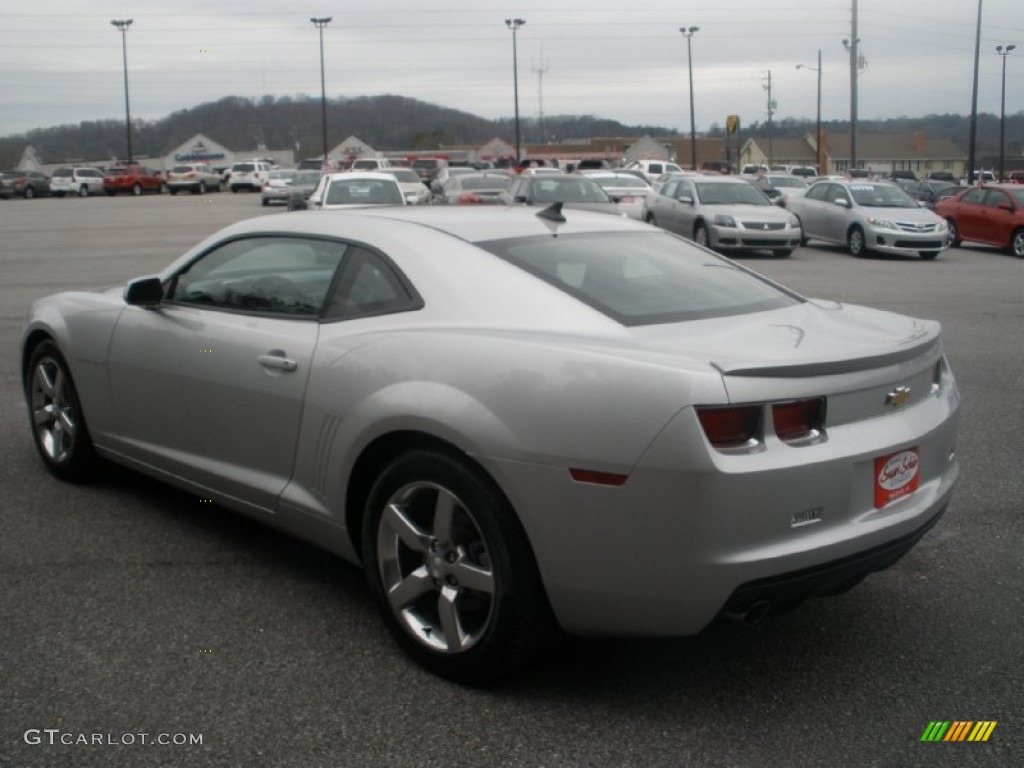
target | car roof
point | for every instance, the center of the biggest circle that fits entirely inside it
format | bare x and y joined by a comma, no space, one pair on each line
360,176
472,224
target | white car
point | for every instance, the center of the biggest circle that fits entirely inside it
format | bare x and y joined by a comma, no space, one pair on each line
652,169
628,191
344,190
249,175
415,191
76,181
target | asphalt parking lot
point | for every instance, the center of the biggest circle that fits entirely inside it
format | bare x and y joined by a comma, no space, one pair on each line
128,608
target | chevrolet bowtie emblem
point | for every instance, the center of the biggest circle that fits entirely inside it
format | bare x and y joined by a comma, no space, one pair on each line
899,396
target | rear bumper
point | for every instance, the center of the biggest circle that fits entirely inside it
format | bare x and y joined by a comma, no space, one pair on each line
781,593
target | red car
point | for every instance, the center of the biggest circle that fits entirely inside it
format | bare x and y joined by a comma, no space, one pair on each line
992,214
133,178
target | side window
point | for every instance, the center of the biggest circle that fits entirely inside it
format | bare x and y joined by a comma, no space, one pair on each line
817,192
369,285
975,196
670,189
996,198
280,275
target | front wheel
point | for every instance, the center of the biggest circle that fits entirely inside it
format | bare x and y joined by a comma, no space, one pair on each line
855,242
29,193
137,190
1017,244
202,187
83,191
649,218
58,425
953,237
452,570
700,235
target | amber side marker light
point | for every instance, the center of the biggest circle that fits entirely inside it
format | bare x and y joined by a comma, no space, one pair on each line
598,478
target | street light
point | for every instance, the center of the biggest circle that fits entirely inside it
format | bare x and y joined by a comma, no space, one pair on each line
514,25
688,34
320,23
820,149
1003,53
122,25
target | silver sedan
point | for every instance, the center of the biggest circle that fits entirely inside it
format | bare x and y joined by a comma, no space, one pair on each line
722,213
868,216
515,421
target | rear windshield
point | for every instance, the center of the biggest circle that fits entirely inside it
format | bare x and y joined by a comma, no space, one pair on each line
424,163
642,278
364,192
406,176
486,182
244,167
61,173
182,169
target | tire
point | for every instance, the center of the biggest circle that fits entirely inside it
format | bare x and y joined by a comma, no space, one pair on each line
452,570
137,190
29,193
651,220
110,192
58,425
1017,243
855,242
929,255
265,202
953,238
234,188
782,253
58,194
700,236
162,190
83,191
202,188
173,191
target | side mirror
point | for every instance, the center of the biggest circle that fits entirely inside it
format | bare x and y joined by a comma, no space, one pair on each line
146,292
1005,207
842,202
686,199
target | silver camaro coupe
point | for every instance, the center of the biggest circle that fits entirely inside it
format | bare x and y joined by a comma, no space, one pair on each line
516,422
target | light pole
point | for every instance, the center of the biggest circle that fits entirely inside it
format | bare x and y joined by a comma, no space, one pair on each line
320,23
1003,52
514,25
688,34
820,152
973,132
122,25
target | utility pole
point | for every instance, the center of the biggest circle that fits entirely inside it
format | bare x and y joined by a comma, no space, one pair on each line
320,23
687,32
772,105
122,26
540,72
857,63
514,25
1003,53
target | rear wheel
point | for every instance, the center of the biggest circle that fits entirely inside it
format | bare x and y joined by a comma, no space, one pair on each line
29,193
1017,244
452,570
83,191
855,242
173,190
700,235
202,187
58,425
137,190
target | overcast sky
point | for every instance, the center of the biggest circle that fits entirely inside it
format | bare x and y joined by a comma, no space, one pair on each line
61,60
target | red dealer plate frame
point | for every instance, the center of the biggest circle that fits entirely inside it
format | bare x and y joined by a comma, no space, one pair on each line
897,475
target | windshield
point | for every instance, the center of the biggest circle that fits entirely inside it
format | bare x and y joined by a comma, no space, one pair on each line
787,181
485,182
642,278
1018,194
620,182
364,192
881,196
720,193
568,191
409,177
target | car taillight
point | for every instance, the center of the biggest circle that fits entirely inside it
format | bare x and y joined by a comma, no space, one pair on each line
469,197
799,420
735,426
